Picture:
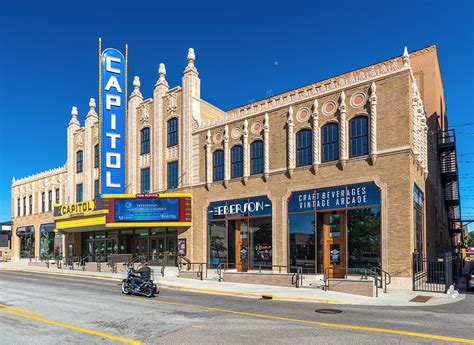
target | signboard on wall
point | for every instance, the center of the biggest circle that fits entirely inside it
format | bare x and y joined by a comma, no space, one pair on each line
113,122
182,250
331,198
147,210
248,207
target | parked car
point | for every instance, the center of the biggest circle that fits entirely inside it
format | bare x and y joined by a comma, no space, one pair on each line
470,280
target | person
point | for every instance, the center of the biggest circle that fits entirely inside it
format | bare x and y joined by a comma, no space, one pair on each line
143,274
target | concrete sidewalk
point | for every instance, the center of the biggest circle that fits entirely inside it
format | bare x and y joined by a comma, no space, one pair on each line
212,286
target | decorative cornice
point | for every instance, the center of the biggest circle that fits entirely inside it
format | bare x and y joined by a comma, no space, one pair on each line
39,176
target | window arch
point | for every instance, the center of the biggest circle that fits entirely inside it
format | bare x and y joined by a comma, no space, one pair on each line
330,142
145,140
79,161
96,156
172,132
304,143
237,161
256,157
218,165
359,137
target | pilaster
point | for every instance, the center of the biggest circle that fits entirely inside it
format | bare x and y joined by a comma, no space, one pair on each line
373,123
226,156
133,179
245,144
266,147
291,141
342,130
316,134
161,87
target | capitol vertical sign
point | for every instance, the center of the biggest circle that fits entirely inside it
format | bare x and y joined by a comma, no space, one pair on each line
113,89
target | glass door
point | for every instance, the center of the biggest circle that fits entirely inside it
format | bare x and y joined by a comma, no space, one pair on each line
334,244
242,245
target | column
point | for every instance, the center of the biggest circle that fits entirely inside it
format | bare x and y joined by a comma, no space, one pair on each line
208,160
226,156
245,136
266,147
291,141
316,133
342,130
373,123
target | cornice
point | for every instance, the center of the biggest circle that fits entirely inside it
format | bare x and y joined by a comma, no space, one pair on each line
39,176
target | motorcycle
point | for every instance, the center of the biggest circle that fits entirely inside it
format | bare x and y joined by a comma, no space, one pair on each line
145,288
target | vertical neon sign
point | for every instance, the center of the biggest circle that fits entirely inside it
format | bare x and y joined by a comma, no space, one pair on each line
113,122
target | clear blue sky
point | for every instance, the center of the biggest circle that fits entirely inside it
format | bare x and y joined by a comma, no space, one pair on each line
48,59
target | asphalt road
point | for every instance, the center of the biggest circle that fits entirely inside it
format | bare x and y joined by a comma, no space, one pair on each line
38,308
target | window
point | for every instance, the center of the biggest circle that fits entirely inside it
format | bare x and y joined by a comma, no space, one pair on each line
256,157
24,205
172,175
31,205
78,192
330,142
218,164
43,202
359,139
18,211
145,180
418,198
304,143
96,156
96,188
237,160
172,131
79,161
145,140
50,200
57,196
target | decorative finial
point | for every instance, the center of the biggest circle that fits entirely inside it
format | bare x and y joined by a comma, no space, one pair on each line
92,103
343,97
208,137
315,106
266,118
74,111
13,179
290,111
136,82
162,70
191,56
373,88
406,58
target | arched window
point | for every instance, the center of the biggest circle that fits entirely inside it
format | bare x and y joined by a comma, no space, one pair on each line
330,142
172,132
96,156
359,139
237,160
304,152
145,140
79,160
218,164
256,157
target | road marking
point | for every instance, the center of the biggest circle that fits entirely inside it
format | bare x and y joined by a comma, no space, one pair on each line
63,274
317,323
76,328
26,311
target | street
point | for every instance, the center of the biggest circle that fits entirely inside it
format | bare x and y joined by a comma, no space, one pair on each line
39,308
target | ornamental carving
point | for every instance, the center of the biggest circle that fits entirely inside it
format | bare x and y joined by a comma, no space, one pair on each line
217,138
303,115
145,115
171,103
329,108
79,142
358,100
236,133
256,127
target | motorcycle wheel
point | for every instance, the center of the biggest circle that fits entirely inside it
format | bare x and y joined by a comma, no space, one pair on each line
149,292
126,288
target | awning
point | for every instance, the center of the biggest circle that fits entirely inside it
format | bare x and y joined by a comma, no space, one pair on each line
48,227
25,230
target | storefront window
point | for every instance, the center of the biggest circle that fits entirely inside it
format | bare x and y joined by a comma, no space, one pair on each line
363,226
302,241
26,235
217,243
261,242
47,236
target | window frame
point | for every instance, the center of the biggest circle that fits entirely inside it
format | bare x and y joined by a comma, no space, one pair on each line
145,140
79,161
96,156
145,178
306,151
218,167
43,202
50,200
358,137
172,129
333,142
57,195
172,175
30,205
79,186
257,161
236,165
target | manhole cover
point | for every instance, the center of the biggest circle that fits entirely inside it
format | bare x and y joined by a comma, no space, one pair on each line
328,311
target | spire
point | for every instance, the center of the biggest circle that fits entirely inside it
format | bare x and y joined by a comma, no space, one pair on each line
13,179
191,60
74,117
373,88
92,111
406,58
136,87
162,73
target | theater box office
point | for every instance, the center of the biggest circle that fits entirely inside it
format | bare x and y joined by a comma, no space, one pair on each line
143,224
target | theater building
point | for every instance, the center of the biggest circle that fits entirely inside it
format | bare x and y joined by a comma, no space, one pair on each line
342,173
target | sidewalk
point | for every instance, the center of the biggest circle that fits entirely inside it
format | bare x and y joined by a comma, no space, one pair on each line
304,294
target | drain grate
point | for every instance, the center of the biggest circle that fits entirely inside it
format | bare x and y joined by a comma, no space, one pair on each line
421,299
328,311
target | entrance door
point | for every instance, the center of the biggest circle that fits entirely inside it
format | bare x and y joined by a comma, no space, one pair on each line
241,245
334,244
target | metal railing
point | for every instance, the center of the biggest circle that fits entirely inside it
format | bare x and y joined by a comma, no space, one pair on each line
380,277
435,274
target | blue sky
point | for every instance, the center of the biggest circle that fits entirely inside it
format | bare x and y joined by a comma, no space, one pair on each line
48,60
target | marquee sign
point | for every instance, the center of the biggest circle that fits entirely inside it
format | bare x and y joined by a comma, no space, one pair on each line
340,197
78,208
248,207
147,209
113,122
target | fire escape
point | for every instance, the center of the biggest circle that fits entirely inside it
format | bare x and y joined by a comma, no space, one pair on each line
450,180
